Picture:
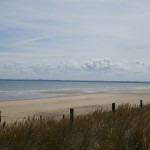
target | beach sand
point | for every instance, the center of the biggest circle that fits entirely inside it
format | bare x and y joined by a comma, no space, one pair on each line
82,103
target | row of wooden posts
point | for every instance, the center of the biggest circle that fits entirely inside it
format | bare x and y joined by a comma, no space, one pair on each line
113,110
72,113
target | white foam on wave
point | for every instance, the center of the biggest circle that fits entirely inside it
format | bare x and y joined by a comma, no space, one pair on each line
26,94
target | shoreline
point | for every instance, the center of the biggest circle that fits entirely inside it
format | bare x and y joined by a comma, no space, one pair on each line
56,93
16,110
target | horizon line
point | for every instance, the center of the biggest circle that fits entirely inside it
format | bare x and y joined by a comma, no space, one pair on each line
123,81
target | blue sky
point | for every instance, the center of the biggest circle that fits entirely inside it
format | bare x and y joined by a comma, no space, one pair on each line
75,39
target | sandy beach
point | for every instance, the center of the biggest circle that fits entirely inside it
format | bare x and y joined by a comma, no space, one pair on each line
82,103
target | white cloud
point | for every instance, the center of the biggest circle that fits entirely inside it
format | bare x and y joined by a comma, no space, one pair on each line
7,67
142,64
104,64
69,66
15,68
42,69
99,64
96,65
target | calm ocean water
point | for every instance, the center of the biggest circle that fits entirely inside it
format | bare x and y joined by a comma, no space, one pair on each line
12,90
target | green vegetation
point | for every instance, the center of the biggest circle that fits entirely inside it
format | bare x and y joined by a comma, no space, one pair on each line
126,129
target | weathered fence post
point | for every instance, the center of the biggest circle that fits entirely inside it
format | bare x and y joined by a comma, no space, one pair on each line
0,117
4,124
141,104
71,115
40,117
113,107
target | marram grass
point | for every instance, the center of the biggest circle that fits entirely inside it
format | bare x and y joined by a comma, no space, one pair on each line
126,129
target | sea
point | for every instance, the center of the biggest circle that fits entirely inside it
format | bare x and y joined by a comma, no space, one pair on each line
33,89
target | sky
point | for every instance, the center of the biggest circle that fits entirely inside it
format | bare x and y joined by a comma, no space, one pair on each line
75,39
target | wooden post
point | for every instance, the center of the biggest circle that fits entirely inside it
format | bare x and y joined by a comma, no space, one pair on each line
0,117
4,124
113,107
141,104
71,115
40,117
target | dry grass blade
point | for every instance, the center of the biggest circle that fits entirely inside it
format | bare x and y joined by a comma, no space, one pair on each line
127,128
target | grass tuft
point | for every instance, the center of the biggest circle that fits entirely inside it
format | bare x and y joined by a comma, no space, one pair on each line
126,129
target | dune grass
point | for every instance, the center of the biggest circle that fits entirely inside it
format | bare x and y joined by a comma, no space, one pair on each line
126,129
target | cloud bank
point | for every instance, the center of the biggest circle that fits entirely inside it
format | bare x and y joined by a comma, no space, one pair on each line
90,69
